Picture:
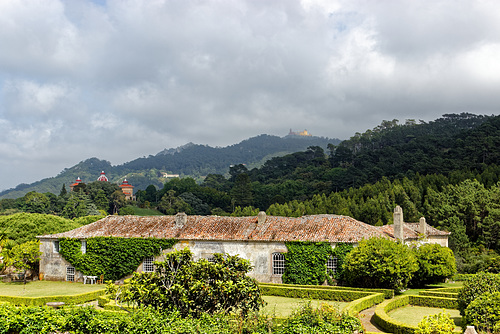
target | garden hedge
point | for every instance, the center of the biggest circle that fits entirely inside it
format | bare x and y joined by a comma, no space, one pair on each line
358,305
313,293
388,293
382,319
40,301
438,294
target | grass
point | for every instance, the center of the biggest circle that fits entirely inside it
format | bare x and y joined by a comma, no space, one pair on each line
432,286
46,288
283,306
412,315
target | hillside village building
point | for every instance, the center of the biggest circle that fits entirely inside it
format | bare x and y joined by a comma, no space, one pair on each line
261,239
126,187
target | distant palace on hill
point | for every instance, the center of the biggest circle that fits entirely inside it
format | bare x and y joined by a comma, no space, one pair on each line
303,133
126,187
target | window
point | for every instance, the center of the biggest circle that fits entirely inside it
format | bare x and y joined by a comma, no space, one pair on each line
83,248
70,274
331,264
148,264
278,263
56,246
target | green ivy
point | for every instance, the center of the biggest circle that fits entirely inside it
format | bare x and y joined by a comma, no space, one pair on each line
306,262
340,252
112,257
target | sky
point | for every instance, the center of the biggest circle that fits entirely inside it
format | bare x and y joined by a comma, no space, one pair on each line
122,79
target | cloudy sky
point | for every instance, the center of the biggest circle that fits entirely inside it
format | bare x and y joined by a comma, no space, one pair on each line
120,79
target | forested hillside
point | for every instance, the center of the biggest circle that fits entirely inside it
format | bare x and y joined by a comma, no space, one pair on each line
188,160
447,170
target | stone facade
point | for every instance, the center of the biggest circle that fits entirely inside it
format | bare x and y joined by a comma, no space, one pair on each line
253,238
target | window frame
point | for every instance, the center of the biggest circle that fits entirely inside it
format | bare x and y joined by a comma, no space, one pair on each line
56,246
148,265
83,247
278,263
70,274
332,264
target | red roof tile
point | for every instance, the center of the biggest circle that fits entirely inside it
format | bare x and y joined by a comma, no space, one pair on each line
330,228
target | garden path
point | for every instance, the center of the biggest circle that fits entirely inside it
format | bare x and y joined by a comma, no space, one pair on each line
366,319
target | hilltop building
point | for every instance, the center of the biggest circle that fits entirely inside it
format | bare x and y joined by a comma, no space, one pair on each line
77,182
102,177
302,133
259,239
128,190
126,187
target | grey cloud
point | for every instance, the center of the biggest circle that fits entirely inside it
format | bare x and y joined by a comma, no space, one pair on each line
81,78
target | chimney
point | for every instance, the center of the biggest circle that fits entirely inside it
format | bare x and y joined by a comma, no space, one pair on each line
422,227
398,223
261,218
180,219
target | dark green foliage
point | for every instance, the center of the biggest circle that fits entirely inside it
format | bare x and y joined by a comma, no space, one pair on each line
306,262
380,263
484,313
435,264
23,227
324,320
195,288
475,286
112,257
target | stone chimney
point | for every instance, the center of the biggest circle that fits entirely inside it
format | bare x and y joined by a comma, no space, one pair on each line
180,219
422,227
398,223
261,218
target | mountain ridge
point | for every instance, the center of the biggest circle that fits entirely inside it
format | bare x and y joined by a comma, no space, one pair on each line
195,160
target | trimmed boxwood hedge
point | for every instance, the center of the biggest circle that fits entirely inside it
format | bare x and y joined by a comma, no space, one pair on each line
40,301
388,293
382,319
438,294
358,305
313,293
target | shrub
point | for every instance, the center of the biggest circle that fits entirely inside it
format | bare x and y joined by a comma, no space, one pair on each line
440,323
484,313
323,320
380,263
475,286
194,288
435,264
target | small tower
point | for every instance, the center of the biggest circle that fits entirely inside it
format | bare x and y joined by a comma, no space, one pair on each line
77,182
103,177
128,190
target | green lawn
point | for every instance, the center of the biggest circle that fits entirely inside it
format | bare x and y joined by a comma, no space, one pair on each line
432,286
283,306
412,315
46,288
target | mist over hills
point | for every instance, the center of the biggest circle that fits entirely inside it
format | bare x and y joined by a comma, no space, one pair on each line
193,160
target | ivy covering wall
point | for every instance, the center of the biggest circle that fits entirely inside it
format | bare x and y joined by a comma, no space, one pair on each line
305,262
112,257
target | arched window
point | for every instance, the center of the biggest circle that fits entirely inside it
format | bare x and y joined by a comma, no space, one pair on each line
278,263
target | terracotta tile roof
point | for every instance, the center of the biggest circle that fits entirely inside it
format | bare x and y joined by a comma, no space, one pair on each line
410,230
330,228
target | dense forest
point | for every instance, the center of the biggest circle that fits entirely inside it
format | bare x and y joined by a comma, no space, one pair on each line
447,171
